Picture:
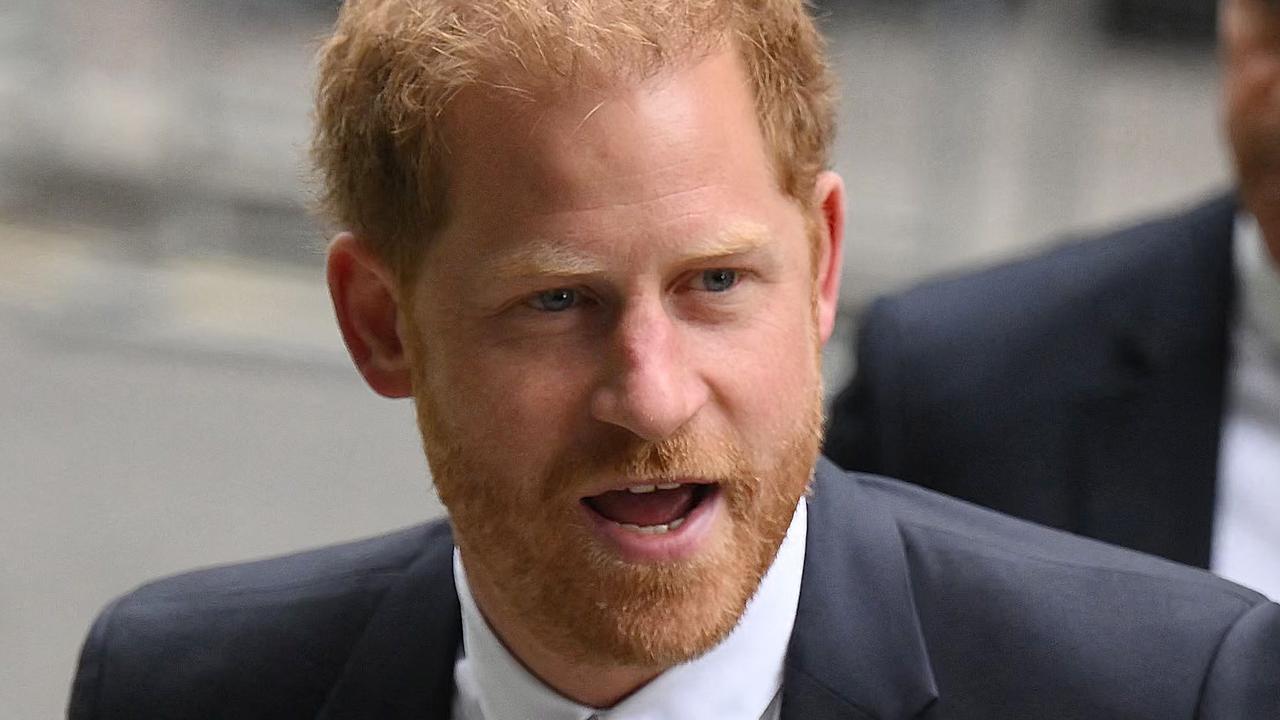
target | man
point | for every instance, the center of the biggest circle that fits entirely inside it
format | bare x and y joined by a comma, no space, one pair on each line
596,243
1126,388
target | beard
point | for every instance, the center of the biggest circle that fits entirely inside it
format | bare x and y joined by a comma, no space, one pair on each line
527,541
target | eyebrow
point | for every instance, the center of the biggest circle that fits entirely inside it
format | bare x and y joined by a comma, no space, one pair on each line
549,258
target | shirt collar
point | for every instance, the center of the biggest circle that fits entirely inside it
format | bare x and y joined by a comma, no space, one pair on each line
1259,282
737,678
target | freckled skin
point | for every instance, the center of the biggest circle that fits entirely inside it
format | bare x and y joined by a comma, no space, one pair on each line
522,409
647,172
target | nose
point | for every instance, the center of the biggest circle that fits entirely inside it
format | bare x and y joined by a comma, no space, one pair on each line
649,386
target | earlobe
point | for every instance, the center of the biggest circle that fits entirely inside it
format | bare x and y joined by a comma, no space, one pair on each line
365,299
829,205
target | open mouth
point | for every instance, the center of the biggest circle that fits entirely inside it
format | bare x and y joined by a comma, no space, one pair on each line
656,509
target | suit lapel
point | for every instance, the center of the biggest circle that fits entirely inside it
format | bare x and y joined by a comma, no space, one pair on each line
402,666
1149,439
857,650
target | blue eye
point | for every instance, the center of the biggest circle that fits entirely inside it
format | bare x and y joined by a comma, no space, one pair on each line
719,280
557,300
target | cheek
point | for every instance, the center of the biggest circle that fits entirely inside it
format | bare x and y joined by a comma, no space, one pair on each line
771,374
515,407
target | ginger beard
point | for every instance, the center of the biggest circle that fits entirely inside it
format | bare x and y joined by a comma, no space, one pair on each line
528,539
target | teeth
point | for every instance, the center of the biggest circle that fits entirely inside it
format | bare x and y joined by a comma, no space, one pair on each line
642,489
646,529
654,529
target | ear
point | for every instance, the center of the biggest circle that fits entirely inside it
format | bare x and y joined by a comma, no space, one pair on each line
828,203
365,299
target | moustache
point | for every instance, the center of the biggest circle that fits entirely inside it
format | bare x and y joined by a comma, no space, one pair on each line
626,459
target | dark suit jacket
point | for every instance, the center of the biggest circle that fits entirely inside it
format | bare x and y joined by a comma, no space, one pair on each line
1081,388
912,605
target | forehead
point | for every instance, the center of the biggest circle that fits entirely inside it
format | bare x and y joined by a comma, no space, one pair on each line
683,142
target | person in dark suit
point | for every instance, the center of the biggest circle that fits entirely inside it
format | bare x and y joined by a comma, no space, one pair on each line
1126,387
913,606
596,244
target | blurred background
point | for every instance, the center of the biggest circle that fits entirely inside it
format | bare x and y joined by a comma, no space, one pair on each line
173,390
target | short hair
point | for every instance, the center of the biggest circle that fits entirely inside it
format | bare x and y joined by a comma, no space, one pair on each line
389,69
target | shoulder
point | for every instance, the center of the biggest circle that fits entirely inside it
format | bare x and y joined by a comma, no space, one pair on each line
1069,275
1012,613
936,527
223,635
979,573
254,592
1053,315
1064,284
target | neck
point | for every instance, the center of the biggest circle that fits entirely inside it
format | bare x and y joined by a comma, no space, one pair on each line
1271,241
597,686
1265,208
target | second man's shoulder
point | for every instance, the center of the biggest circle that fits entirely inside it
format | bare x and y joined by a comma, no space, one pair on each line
1064,285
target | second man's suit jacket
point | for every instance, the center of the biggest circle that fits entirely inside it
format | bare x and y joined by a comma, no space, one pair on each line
912,605
1081,388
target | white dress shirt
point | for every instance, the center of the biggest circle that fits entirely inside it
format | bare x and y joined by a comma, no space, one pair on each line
739,679
1246,527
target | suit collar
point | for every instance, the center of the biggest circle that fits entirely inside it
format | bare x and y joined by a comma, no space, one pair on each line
402,666
857,650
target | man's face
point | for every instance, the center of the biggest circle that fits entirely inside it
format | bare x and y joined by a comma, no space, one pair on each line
1250,39
616,361
1251,67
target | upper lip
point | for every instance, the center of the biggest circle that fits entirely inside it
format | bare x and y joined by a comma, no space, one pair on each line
624,484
